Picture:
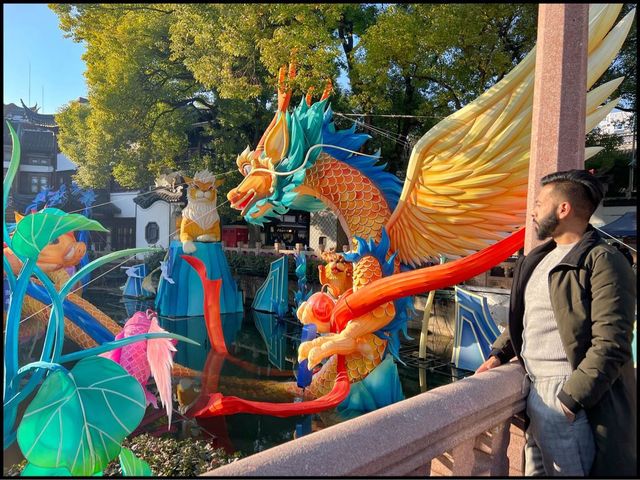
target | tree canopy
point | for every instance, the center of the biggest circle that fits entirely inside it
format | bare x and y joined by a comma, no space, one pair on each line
188,86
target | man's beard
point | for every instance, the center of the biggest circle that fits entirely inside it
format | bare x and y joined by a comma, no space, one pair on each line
547,225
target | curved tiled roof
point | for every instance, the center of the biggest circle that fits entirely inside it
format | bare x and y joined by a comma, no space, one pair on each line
40,119
11,109
146,199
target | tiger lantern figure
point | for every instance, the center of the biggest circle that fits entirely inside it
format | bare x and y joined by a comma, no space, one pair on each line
200,220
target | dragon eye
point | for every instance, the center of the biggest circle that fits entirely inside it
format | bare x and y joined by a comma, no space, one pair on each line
247,169
55,241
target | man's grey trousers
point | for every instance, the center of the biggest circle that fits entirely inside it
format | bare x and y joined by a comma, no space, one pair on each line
554,445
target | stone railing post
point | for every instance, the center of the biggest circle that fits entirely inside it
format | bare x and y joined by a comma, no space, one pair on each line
464,458
499,443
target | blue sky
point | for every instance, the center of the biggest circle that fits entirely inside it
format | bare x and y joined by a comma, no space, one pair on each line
31,35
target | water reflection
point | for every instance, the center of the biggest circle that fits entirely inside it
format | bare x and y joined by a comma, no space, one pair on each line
274,332
194,356
263,354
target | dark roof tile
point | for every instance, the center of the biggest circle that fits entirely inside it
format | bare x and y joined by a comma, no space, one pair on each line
41,141
11,109
146,199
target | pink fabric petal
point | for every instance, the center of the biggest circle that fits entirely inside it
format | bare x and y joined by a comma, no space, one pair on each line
160,358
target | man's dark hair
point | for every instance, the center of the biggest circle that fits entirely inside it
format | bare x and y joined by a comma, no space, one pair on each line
583,190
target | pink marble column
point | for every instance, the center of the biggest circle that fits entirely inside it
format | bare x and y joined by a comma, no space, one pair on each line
559,97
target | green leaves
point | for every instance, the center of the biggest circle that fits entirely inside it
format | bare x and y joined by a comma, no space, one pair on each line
9,175
13,168
132,466
140,102
35,231
155,72
77,420
32,470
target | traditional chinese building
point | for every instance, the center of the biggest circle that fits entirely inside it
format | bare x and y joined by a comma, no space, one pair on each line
43,166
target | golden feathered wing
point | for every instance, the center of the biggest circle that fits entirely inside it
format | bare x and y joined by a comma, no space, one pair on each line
466,182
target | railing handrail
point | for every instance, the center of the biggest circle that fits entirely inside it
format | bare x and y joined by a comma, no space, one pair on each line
399,439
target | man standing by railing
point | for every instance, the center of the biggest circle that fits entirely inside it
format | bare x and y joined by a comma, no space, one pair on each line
570,325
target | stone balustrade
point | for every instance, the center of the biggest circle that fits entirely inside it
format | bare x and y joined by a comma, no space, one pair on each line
470,427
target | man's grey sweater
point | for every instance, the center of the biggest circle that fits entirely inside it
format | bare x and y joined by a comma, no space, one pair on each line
542,350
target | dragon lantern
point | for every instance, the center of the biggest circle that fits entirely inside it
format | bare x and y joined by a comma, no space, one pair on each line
464,196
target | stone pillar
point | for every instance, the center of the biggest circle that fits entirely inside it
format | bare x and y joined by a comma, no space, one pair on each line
253,235
559,98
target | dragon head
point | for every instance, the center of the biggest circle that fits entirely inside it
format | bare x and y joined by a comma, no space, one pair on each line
277,166
257,184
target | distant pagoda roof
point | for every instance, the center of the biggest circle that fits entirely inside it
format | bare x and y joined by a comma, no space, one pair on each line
39,119
6,136
11,109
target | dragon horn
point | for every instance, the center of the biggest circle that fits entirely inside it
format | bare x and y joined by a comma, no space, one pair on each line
327,90
284,97
284,92
308,97
260,147
292,66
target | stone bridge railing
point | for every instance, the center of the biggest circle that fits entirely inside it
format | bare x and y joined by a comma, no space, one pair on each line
467,428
